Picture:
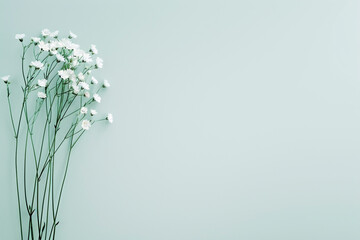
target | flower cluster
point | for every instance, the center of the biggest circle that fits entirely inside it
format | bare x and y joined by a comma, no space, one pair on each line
75,71
59,88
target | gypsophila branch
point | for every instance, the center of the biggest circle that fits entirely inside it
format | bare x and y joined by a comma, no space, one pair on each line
58,106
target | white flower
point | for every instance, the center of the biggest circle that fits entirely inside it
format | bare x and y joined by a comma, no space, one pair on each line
99,62
86,124
42,82
76,88
72,35
41,95
44,46
54,34
6,78
87,58
110,118
60,58
97,98
78,53
93,49
35,39
83,110
65,74
87,94
74,62
68,44
37,64
54,45
94,81
84,85
46,32
20,37
81,76
106,83
53,52
93,112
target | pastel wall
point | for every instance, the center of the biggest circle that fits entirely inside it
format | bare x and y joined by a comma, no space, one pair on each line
233,119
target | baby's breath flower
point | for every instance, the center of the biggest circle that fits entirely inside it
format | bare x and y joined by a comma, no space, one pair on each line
41,95
87,58
83,110
85,124
72,35
44,46
106,84
46,32
76,88
37,64
20,37
53,52
94,81
84,85
54,34
110,118
93,49
35,39
87,94
42,82
74,62
60,58
5,78
65,74
81,76
97,98
93,112
99,63
78,53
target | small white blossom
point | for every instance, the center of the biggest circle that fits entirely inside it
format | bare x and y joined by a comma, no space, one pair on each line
110,118
46,32
84,85
97,98
76,88
87,94
54,34
74,62
65,74
54,45
20,37
5,78
93,112
78,53
35,39
81,76
72,35
99,62
93,49
41,95
60,58
86,124
44,46
87,58
106,84
94,81
37,64
83,110
53,52
42,82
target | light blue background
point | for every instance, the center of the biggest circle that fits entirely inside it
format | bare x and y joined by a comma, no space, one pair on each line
234,120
